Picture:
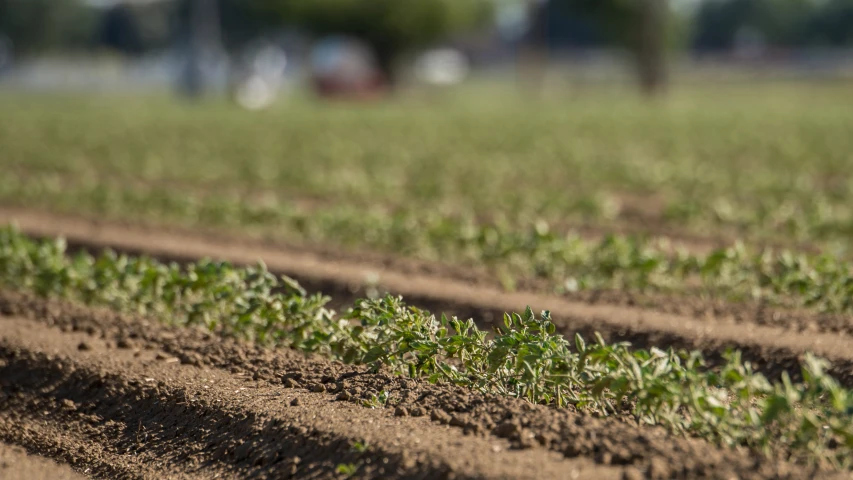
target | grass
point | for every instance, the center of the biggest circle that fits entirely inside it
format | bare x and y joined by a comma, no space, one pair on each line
472,181
775,162
810,421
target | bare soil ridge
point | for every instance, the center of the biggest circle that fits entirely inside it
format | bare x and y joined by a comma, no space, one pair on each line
197,404
772,349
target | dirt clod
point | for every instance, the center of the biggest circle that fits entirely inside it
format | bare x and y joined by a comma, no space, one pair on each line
191,358
440,416
507,429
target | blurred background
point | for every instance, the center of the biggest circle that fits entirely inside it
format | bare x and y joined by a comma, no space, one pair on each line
513,138
256,51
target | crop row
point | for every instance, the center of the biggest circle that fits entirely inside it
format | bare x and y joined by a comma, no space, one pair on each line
809,421
515,253
708,161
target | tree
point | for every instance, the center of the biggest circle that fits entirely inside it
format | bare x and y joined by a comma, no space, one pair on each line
832,25
782,23
391,27
120,30
43,25
643,27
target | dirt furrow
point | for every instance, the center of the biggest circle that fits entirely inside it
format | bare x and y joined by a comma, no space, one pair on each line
140,412
695,306
497,426
772,349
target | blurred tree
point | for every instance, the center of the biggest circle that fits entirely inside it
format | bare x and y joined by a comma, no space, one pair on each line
643,27
832,25
43,25
391,27
120,30
782,23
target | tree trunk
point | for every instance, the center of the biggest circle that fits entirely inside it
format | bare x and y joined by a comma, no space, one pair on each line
533,57
203,37
650,49
386,61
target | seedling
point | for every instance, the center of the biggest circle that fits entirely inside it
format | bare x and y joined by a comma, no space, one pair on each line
809,421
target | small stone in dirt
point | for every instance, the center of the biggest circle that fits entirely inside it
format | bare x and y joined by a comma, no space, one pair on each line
84,346
69,405
401,412
294,402
440,416
417,412
343,396
161,356
289,382
317,388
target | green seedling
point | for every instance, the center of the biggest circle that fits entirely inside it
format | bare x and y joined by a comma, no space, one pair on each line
810,421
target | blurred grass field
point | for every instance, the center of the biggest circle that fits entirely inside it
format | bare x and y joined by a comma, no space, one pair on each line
478,175
757,163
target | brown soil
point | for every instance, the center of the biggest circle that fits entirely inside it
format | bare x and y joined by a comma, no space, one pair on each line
16,464
125,397
617,316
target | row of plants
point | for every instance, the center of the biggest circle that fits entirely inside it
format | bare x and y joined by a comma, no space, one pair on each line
815,218
514,251
732,160
809,421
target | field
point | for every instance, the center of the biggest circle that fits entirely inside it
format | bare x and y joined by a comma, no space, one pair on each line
618,289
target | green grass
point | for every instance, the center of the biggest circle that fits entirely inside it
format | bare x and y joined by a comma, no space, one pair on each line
809,421
488,180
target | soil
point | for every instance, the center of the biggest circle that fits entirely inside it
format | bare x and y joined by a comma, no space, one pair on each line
123,397
117,396
16,464
773,339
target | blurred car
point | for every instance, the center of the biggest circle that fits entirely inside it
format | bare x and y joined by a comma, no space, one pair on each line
343,67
